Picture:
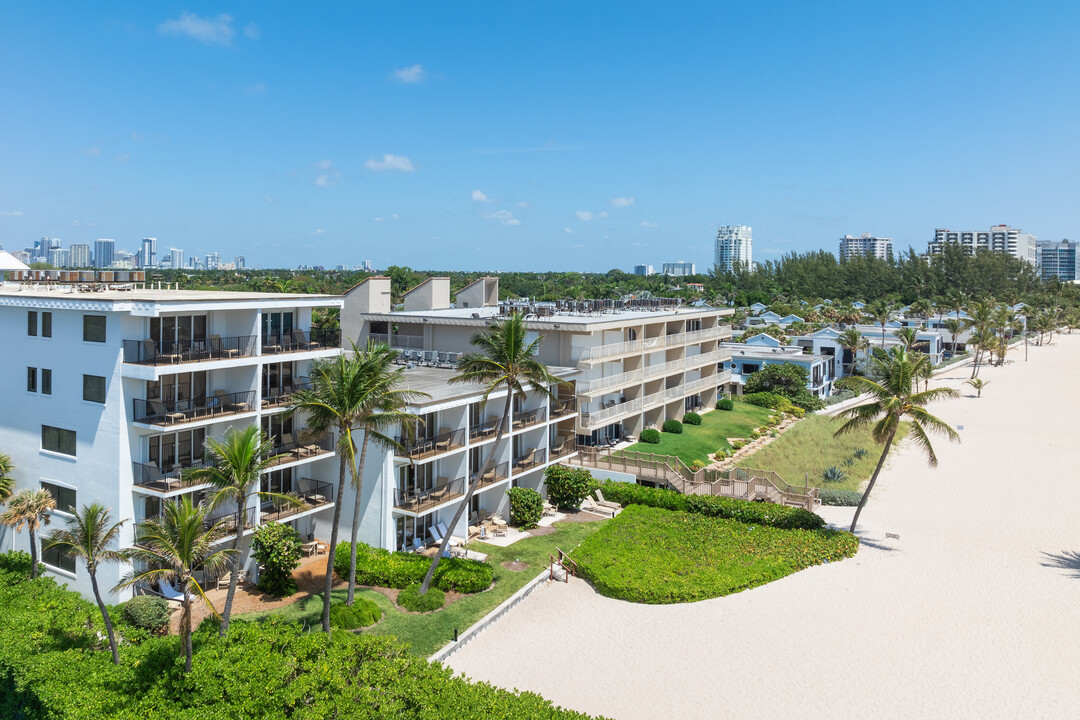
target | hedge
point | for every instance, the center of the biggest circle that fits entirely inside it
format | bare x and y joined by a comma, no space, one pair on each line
526,507
375,566
411,599
842,498
691,418
650,435
754,513
146,612
54,665
725,404
672,426
361,614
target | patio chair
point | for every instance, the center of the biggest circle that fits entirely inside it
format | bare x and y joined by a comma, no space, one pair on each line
417,544
435,535
218,349
442,531
606,503
171,593
443,444
224,580
527,461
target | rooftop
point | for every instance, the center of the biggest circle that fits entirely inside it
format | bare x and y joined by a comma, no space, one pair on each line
138,293
481,315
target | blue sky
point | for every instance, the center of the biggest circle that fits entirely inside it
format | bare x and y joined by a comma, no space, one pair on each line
532,136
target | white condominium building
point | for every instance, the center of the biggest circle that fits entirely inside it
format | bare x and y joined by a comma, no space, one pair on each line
679,269
734,248
1000,238
865,244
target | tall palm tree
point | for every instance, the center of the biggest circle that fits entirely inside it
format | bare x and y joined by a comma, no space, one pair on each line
172,548
7,483
895,400
981,319
853,341
88,537
504,362
880,311
241,459
908,336
954,327
29,509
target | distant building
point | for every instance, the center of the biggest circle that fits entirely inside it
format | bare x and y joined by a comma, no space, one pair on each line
679,269
58,258
734,247
176,258
148,253
79,255
1058,259
1000,238
865,244
239,262
366,266
43,247
644,270
22,256
104,252
213,261
122,260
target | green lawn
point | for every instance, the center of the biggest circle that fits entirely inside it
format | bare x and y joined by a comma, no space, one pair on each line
428,632
699,442
652,555
809,447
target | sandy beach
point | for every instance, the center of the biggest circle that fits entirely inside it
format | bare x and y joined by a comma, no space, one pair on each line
973,612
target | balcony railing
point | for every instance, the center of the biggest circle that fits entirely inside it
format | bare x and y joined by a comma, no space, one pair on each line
563,408
282,396
402,342
293,449
564,447
175,412
672,366
445,441
301,341
419,501
230,523
591,387
492,476
215,347
529,460
318,494
603,416
148,476
525,418
485,430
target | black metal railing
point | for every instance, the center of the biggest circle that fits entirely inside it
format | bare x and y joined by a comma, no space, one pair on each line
318,494
561,408
151,477
281,396
417,501
174,412
492,476
301,341
425,447
486,429
215,347
529,417
531,459
563,448
292,449
230,522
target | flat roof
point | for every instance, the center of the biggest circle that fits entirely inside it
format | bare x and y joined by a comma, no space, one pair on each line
479,316
435,382
137,294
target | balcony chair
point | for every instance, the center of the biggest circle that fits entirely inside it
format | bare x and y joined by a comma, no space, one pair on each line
443,445
218,349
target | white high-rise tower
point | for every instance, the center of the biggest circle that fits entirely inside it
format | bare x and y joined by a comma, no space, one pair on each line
734,247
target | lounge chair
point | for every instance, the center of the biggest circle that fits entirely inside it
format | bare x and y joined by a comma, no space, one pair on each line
224,580
218,349
441,527
171,593
443,444
606,503
435,535
527,461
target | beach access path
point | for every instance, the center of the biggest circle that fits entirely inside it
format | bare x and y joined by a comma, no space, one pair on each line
974,611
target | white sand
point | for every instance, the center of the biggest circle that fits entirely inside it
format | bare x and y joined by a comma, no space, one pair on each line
966,615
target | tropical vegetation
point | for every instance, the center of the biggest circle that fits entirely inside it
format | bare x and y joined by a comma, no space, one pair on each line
29,509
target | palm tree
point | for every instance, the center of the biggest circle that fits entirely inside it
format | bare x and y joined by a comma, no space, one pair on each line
7,483
880,311
978,384
29,509
504,362
908,336
981,319
894,400
173,547
241,459
853,341
954,327
88,537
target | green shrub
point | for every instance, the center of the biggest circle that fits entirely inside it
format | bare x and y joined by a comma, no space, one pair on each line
768,400
725,404
568,486
362,613
860,453
648,435
526,507
691,418
842,498
719,455
833,474
376,566
146,612
672,426
738,444
277,548
754,513
697,465
411,599
797,411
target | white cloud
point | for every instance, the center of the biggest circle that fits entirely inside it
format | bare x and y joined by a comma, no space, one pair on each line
586,216
568,231
622,202
256,89
394,216
319,231
412,74
11,213
390,162
123,158
91,151
648,224
253,31
504,216
328,177
212,31
479,196
269,199
378,219
524,204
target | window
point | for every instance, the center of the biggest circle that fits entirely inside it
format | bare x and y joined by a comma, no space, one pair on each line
64,497
55,557
46,324
31,323
46,382
31,379
93,328
58,440
93,388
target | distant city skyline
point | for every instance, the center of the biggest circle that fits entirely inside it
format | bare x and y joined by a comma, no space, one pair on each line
505,137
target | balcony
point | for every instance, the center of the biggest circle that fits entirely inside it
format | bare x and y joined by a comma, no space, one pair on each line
318,495
495,475
215,347
166,413
229,523
291,449
423,448
421,501
485,430
301,341
563,448
528,418
592,387
532,459
604,416
690,363
563,408
282,396
150,477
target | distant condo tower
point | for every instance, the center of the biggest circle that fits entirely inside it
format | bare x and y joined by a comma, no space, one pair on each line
866,244
734,246
1000,238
